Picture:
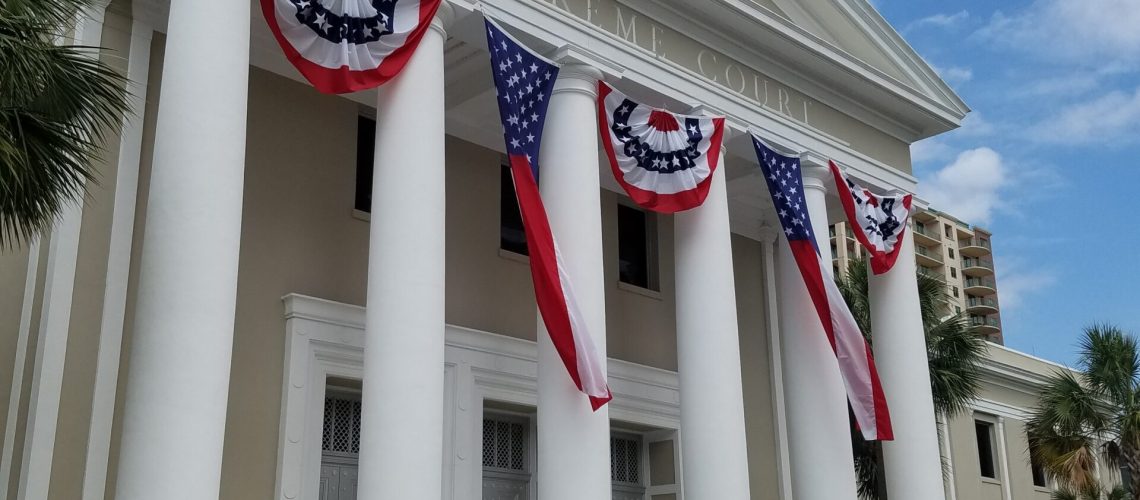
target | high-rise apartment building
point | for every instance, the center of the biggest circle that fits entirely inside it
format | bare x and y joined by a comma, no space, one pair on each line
950,250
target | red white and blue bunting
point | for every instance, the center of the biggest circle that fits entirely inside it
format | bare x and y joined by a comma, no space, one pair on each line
348,45
880,221
664,161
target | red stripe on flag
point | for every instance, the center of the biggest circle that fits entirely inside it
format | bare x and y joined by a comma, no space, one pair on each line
548,289
808,262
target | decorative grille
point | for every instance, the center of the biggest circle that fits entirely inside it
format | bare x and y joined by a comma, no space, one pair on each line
342,425
504,445
625,460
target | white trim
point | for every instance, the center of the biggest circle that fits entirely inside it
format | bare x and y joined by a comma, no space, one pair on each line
776,365
55,319
634,289
18,367
947,449
326,338
1003,457
118,268
999,409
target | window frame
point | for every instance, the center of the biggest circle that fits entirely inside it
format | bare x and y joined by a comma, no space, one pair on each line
652,238
505,180
991,443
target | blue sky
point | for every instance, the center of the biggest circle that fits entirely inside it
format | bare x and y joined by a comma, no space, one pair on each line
1049,159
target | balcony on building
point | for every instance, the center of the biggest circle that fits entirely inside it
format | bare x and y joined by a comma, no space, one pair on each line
926,235
978,246
927,257
975,267
985,324
981,305
981,286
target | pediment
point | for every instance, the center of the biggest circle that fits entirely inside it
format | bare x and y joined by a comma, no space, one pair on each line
857,29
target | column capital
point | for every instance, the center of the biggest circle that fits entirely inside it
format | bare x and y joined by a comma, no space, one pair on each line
768,234
815,176
581,69
732,126
444,16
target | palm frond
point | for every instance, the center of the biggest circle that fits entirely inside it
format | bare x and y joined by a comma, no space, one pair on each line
1110,362
58,104
955,355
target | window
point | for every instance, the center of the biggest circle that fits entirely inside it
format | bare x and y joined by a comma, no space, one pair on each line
637,248
340,442
948,230
506,457
625,467
955,292
365,151
953,272
512,237
957,309
1039,478
950,251
985,434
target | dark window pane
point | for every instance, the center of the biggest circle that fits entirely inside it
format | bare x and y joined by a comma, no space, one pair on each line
633,254
512,237
365,149
985,449
1038,472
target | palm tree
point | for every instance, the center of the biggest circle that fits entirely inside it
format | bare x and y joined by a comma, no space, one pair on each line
1097,411
954,353
57,102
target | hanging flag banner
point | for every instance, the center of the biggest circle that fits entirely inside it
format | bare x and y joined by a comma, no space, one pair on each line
524,81
664,161
880,220
348,45
856,364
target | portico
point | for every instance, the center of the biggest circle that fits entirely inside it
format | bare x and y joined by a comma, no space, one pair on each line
267,295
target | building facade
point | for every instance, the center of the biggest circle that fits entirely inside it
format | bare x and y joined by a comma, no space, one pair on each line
948,249
198,329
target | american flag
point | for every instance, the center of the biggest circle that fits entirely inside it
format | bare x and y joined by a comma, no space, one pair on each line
524,82
785,183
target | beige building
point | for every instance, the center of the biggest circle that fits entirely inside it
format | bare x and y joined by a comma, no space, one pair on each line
197,328
950,250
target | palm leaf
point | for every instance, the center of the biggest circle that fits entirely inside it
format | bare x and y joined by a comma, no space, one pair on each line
58,104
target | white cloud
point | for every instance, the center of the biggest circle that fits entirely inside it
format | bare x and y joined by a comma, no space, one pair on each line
954,75
1110,119
939,20
1069,85
1017,280
968,187
1089,32
931,149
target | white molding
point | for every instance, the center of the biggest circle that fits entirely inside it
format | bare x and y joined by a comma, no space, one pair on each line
326,338
776,365
118,267
1003,456
16,389
999,409
55,321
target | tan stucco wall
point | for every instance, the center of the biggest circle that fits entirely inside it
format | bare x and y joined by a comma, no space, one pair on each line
755,367
69,457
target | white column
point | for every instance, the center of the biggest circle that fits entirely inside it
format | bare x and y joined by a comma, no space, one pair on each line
401,442
769,238
55,317
819,435
714,452
912,460
118,267
178,385
14,394
573,441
